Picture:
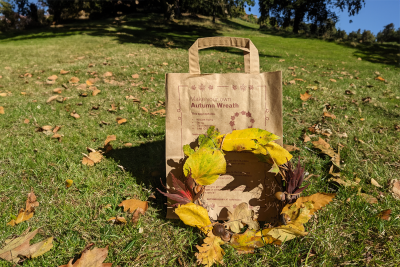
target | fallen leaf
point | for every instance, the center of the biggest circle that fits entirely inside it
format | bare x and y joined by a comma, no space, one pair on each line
290,148
165,63
343,135
250,240
394,187
121,120
92,158
292,82
95,92
345,183
132,98
327,114
128,144
109,139
362,119
348,92
281,60
135,76
26,121
2,110
160,112
63,72
145,109
68,183
306,138
117,220
91,258
241,215
56,129
57,136
305,96
210,251
332,80
52,77
31,202
23,215
385,214
19,247
23,93
379,78
368,198
107,74
57,90
74,80
324,147
130,205
51,98
375,183
194,215
359,58
319,200
136,215
75,115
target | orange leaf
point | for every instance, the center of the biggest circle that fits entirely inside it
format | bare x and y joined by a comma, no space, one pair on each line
131,205
110,138
145,109
51,98
305,96
121,120
26,121
63,72
1,110
385,214
327,114
161,112
57,90
379,78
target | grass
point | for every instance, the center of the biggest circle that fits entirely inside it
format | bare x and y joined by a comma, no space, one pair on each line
346,232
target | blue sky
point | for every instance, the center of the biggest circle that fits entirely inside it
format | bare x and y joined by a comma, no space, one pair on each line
374,16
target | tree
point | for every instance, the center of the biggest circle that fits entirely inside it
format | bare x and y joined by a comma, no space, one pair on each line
389,34
319,12
368,37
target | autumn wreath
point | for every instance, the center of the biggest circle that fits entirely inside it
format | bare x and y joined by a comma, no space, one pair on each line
206,163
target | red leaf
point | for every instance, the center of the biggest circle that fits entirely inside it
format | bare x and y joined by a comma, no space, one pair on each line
182,193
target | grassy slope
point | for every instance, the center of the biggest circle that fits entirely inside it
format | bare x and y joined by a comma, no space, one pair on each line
344,233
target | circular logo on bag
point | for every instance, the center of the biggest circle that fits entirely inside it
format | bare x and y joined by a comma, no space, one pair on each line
250,119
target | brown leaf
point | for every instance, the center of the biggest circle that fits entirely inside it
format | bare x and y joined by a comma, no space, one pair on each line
130,97
145,109
19,247
113,108
57,136
394,187
57,90
306,138
52,77
290,148
305,96
108,74
92,158
1,110
327,114
90,81
165,63
131,205
109,139
292,82
385,214
63,72
26,121
136,215
75,115
31,202
56,129
117,220
160,112
81,86
368,198
74,80
241,215
332,80
281,60
95,92
324,147
135,76
3,94
91,258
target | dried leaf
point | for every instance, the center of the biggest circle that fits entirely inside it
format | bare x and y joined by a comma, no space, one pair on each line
160,112
368,198
241,215
131,205
107,74
121,120
305,96
145,109
290,148
135,76
2,110
165,63
74,80
281,60
345,183
23,215
332,80
31,202
132,98
327,114
52,77
63,72
26,121
110,138
136,215
283,233
57,90
91,258
194,215
319,200
17,247
51,98
210,251
75,115
306,138
117,220
250,240
94,157
394,187
375,183
379,78
324,147
385,214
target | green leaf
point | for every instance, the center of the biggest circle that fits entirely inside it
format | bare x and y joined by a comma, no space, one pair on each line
187,150
205,165
210,139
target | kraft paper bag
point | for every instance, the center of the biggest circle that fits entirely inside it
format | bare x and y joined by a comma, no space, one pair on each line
230,101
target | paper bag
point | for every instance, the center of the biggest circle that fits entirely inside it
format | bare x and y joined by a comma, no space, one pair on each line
230,101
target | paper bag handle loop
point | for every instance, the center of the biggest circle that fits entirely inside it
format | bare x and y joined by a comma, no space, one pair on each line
251,59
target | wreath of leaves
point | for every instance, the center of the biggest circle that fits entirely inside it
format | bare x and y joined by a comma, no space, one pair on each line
206,162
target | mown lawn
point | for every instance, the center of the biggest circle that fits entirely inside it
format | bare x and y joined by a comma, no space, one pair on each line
346,232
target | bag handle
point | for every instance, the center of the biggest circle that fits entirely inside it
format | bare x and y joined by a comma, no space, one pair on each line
251,58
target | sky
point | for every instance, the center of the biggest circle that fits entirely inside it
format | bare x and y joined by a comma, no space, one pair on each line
373,16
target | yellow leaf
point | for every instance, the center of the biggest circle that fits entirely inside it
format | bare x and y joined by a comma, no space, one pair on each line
40,248
131,205
210,251
68,183
241,214
194,215
247,139
319,200
205,165
250,240
278,153
283,233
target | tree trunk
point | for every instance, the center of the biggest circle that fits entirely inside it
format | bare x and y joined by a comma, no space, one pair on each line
286,22
298,18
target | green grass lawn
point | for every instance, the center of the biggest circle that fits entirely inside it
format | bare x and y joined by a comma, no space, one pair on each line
346,232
